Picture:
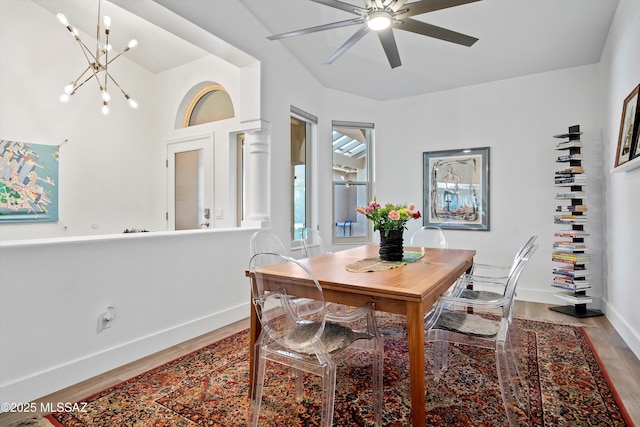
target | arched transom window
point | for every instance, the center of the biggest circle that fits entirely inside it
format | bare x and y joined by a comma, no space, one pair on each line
211,103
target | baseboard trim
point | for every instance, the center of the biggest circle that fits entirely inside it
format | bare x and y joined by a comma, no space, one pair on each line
630,337
45,382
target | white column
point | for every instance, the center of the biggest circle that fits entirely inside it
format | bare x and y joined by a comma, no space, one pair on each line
257,188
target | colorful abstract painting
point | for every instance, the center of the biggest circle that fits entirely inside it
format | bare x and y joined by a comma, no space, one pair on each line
28,182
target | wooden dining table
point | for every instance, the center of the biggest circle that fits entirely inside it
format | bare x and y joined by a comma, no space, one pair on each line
410,290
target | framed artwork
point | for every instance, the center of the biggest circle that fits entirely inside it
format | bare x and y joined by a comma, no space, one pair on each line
28,182
456,189
629,123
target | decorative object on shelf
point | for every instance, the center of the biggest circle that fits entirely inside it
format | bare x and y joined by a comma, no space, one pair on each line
456,189
570,249
97,63
628,144
29,182
391,221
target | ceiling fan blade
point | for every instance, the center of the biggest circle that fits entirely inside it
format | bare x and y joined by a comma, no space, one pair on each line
357,10
390,47
429,30
397,5
324,27
424,6
352,40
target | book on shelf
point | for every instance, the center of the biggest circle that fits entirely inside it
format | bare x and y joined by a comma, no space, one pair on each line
570,287
569,157
582,220
565,258
571,143
572,208
569,247
571,215
574,273
573,234
572,195
570,179
575,284
571,169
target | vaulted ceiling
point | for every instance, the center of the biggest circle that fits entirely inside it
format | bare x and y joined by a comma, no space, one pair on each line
516,38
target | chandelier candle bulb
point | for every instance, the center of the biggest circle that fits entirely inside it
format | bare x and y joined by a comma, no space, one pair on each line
132,102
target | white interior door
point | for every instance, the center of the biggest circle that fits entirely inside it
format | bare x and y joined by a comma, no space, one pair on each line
190,183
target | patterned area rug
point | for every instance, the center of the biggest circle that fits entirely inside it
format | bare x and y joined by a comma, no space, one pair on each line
209,388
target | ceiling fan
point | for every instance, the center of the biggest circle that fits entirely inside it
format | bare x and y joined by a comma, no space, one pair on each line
382,16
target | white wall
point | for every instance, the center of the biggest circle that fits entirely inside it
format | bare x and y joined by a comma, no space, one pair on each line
620,73
516,118
166,287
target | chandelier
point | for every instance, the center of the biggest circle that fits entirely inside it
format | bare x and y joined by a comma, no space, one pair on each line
98,63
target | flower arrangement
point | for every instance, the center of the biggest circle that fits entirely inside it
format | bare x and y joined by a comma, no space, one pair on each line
389,217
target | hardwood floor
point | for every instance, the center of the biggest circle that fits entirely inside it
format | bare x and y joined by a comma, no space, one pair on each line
621,364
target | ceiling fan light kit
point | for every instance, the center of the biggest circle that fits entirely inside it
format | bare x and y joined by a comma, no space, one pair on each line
382,16
379,20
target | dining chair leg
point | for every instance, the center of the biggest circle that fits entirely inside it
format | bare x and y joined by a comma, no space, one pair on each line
328,394
258,385
377,381
440,354
506,382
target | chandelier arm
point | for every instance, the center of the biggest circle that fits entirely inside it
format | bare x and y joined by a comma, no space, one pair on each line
93,74
115,57
106,73
75,81
88,55
106,55
98,32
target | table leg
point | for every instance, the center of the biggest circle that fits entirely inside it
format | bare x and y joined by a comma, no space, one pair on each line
254,332
415,339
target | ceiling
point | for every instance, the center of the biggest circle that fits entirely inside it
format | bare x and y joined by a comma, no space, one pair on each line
516,38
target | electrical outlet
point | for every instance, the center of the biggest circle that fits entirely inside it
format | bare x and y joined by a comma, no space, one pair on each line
219,214
106,318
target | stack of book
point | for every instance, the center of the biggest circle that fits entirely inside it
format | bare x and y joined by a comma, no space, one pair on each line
570,179
569,246
572,278
570,258
569,157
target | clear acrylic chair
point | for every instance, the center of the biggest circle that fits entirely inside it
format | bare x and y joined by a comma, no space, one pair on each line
302,334
429,237
489,326
487,282
492,273
266,241
312,243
